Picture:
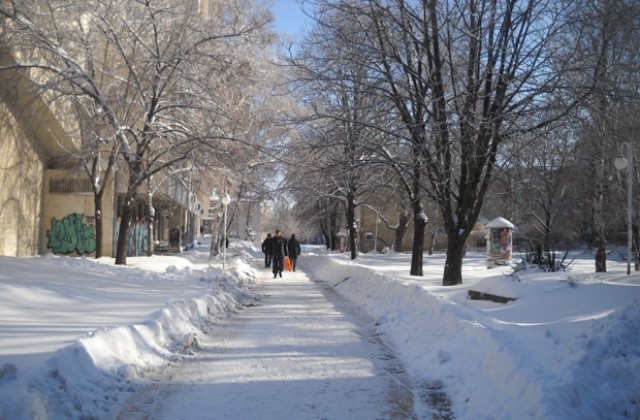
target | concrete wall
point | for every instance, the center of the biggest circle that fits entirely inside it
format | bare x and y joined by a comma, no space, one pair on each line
21,172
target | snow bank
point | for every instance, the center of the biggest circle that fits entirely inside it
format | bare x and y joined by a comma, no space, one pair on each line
93,377
437,344
496,368
606,380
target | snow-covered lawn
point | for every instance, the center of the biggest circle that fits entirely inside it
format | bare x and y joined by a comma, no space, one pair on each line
78,336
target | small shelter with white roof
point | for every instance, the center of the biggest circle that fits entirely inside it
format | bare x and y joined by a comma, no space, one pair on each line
499,242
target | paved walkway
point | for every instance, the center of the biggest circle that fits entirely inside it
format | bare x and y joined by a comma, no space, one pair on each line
301,353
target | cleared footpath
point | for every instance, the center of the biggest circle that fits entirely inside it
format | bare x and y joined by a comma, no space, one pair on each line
301,352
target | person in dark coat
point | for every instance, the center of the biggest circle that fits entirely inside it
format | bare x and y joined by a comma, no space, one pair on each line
278,252
266,248
294,250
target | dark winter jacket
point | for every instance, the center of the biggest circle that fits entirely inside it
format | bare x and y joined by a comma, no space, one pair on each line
266,246
294,247
279,247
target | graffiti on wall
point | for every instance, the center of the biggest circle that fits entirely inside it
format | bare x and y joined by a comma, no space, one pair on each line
138,239
72,234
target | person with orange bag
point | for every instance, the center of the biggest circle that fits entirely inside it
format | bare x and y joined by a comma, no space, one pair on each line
294,250
278,252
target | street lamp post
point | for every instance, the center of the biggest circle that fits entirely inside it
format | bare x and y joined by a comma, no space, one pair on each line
621,163
225,202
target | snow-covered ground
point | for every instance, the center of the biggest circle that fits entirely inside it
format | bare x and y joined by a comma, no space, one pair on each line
78,336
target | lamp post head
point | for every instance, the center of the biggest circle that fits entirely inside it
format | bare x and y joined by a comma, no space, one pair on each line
226,199
620,163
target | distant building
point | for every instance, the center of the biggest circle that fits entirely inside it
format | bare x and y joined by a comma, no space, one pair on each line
244,218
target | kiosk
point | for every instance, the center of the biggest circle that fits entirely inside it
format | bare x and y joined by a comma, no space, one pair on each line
342,240
499,242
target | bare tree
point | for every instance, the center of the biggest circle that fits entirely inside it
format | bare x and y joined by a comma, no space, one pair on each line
332,72
463,77
541,169
608,41
99,158
162,76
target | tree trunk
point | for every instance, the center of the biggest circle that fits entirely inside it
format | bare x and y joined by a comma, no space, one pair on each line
547,232
403,222
636,260
214,249
600,241
325,234
151,219
432,241
97,200
151,234
601,255
420,225
220,243
334,229
353,230
249,222
453,264
123,231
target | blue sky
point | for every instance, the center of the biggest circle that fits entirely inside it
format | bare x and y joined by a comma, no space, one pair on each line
289,16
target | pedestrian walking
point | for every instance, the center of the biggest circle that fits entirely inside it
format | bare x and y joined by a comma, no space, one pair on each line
293,247
266,248
278,252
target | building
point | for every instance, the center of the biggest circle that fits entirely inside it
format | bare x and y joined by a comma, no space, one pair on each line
244,217
47,203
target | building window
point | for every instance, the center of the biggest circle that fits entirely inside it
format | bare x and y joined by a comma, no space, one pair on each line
69,185
532,206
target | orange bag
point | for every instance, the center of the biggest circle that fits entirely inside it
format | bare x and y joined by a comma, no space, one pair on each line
287,264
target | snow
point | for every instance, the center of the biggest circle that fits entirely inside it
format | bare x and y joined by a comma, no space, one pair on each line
500,222
79,337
